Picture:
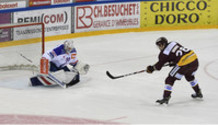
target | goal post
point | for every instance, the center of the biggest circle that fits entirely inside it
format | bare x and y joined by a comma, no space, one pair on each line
21,46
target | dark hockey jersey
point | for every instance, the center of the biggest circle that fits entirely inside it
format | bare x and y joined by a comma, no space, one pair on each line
175,53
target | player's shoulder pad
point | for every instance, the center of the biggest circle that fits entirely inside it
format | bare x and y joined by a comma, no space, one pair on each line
59,50
169,48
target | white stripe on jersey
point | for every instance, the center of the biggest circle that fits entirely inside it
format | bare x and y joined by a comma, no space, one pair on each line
174,70
169,48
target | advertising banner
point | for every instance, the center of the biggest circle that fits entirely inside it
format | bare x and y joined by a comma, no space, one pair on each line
12,5
83,0
57,21
61,1
107,16
178,13
214,12
5,34
33,3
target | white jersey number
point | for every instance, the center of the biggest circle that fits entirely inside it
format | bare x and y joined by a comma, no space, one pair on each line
180,51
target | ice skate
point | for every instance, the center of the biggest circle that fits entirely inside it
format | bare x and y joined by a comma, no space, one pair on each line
197,95
164,100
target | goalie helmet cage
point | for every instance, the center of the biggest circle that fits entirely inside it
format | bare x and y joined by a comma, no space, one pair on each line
21,46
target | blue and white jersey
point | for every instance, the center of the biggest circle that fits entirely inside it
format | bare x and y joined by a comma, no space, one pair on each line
60,58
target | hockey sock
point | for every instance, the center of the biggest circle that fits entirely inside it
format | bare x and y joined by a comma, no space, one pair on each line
167,91
195,86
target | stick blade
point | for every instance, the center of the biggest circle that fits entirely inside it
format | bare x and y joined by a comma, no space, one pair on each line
111,76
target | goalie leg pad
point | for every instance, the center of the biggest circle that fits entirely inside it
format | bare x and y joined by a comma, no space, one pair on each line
68,78
34,81
42,81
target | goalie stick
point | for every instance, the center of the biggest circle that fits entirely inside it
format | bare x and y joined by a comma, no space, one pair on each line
25,57
129,74
63,85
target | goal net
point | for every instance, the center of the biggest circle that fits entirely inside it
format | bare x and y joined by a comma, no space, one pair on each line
21,46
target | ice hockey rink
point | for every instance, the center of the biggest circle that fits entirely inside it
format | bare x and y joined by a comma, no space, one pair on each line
98,99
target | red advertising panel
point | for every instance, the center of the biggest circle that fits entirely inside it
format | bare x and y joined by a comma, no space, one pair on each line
84,0
61,1
39,2
12,5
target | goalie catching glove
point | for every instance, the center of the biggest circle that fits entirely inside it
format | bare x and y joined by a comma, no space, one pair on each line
82,67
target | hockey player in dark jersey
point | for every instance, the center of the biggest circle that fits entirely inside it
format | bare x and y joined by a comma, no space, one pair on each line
184,62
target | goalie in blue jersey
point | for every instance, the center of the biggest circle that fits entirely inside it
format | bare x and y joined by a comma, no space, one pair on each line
62,63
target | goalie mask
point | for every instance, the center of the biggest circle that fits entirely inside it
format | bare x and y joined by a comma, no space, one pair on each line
161,43
68,46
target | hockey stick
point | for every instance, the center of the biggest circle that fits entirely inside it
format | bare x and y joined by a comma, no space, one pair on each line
129,74
29,60
63,85
120,76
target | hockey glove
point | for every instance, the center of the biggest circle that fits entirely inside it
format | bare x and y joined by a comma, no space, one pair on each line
150,69
171,64
82,68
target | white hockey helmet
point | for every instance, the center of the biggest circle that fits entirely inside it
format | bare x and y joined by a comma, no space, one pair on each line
68,45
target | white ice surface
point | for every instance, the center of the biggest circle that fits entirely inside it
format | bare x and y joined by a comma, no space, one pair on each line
125,100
